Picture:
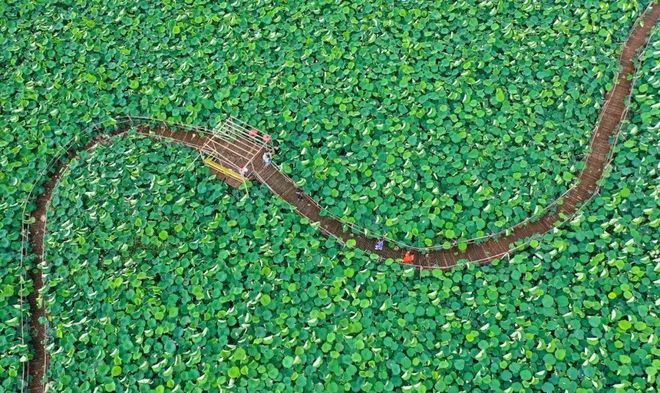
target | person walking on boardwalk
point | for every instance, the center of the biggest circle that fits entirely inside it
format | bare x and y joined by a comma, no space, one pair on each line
380,244
268,158
409,257
299,194
245,172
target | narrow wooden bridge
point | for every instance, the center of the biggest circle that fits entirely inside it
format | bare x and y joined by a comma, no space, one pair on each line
234,151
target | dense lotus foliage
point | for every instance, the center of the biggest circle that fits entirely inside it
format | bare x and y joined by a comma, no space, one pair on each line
444,120
446,80
162,278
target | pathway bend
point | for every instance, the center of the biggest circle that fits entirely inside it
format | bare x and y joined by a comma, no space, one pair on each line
586,186
612,115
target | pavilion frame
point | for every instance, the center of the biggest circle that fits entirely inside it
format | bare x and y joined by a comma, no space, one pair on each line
236,144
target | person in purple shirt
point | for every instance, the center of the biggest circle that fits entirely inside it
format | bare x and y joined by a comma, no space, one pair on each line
380,244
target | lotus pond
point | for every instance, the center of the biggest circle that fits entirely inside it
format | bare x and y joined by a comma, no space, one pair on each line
378,104
160,277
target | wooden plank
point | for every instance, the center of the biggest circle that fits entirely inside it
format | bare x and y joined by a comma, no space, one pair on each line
224,170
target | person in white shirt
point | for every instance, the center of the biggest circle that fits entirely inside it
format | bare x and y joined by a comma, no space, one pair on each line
245,172
268,159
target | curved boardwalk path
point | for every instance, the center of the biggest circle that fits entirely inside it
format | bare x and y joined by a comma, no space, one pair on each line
612,115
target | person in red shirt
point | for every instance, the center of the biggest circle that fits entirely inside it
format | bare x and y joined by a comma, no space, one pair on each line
409,257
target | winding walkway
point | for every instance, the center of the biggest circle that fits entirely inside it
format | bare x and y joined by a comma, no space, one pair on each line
612,114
